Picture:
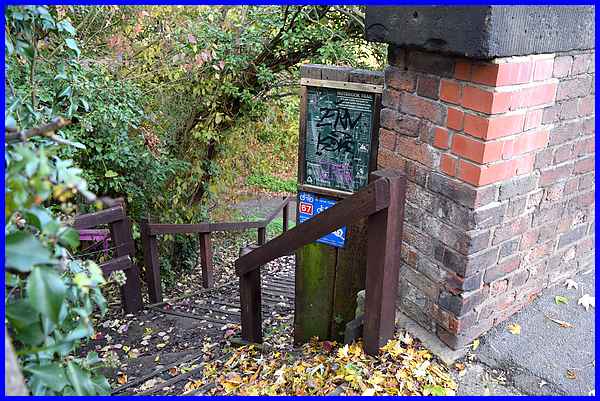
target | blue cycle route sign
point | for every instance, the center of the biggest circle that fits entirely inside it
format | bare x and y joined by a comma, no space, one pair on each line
309,206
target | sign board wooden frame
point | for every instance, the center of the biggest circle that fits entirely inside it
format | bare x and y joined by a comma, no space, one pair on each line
373,88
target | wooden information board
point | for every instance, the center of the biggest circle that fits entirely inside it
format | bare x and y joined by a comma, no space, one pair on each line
339,127
338,135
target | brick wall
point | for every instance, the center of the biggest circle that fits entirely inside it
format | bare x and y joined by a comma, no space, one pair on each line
500,161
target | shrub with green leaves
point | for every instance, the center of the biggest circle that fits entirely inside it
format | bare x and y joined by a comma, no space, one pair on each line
49,295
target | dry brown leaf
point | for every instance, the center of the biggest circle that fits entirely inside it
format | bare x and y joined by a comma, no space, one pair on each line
122,378
561,323
571,374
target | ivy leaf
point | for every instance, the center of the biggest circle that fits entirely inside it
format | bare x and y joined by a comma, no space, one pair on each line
72,44
560,300
51,375
46,292
23,251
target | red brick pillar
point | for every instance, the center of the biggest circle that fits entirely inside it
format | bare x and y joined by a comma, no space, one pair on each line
500,159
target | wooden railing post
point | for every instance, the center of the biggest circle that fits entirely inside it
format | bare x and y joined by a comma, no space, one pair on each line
151,261
250,301
262,235
286,216
131,292
206,260
383,264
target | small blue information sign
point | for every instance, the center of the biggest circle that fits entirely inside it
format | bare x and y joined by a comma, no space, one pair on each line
310,205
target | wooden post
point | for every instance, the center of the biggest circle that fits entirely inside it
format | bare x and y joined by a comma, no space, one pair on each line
131,293
286,216
151,261
250,301
262,235
206,260
383,264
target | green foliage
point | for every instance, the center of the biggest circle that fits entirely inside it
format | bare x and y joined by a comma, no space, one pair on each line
271,183
213,74
50,296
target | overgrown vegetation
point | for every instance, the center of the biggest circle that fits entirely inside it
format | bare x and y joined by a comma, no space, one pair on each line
271,183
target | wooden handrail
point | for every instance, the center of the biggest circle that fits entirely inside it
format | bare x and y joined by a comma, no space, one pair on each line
106,216
382,202
367,201
150,230
199,228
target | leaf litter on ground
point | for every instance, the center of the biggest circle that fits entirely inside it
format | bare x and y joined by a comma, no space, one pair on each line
325,367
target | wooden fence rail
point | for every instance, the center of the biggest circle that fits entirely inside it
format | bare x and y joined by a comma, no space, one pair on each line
382,202
150,230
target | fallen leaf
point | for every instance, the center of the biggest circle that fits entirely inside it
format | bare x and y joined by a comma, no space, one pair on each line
586,301
475,344
560,300
157,358
327,346
571,284
174,371
369,392
514,328
122,378
134,353
460,367
561,323
571,374
161,345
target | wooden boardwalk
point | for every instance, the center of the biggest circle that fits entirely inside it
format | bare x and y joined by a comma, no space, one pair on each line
205,318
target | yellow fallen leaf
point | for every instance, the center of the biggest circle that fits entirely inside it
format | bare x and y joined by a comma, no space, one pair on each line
514,328
369,392
475,344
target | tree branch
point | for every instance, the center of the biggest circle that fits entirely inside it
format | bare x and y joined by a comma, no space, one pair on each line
45,130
